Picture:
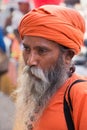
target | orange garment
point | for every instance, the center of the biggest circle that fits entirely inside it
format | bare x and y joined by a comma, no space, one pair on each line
53,116
60,24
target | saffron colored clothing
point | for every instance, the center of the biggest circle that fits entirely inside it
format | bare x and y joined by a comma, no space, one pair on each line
53,116
55,23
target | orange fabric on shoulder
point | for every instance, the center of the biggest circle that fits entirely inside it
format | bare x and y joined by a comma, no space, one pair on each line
53,116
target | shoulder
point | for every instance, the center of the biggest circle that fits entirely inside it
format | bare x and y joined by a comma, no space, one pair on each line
78,89
78,93
79,83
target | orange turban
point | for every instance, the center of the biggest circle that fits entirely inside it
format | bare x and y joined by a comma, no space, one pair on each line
60,24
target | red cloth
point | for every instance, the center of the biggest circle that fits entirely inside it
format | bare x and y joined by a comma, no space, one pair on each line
43,2
63,25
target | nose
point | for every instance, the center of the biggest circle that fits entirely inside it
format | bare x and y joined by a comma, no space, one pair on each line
32,60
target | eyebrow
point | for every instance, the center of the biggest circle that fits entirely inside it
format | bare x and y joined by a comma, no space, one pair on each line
38,46
25,44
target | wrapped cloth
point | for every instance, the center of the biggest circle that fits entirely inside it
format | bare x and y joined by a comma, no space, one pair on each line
63,25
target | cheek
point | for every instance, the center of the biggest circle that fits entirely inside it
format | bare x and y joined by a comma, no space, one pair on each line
49,62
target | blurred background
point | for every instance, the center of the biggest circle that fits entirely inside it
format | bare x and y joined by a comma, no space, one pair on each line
11,61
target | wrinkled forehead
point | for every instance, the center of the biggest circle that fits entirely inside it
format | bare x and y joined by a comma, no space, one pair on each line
38,39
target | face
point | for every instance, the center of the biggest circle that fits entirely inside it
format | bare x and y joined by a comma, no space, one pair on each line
24,7
44,72
39,52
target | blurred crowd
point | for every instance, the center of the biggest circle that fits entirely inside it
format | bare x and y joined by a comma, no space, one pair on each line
10,46
10,43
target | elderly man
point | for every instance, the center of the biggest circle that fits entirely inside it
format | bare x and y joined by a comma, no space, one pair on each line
51,36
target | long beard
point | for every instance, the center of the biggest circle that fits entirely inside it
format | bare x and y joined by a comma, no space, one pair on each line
36,89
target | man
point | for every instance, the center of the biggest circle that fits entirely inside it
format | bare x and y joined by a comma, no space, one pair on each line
23,8
51,36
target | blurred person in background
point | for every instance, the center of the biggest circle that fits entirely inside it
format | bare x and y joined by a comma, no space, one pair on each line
8,41
15,15
11,38
23,8
8,20
51,35
3,16
76,4
71,3
3,56
2,44
6,85
15,46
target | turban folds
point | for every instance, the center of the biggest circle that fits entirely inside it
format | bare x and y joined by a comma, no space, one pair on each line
63,25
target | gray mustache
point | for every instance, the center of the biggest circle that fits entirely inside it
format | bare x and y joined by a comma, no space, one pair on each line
37,72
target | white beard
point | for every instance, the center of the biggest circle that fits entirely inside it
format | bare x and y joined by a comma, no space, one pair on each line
30,93
34,93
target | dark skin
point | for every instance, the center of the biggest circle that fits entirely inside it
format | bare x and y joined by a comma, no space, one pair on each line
42,53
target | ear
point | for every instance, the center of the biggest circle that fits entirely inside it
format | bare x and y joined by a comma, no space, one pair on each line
68,55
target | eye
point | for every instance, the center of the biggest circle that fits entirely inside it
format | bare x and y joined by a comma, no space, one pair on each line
26,48
42,51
